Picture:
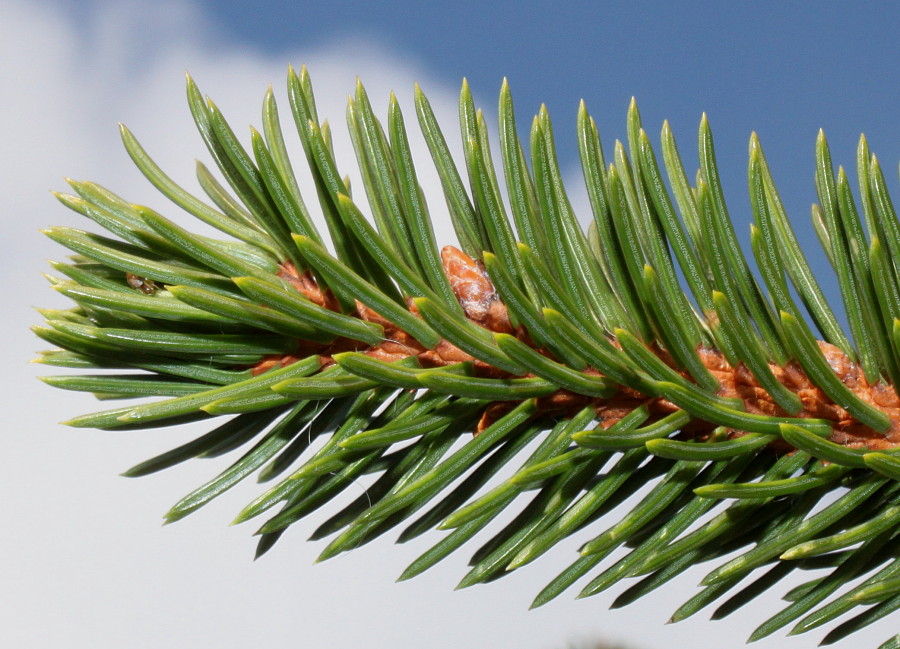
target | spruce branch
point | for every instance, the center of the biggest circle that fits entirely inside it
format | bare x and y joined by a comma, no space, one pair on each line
579,359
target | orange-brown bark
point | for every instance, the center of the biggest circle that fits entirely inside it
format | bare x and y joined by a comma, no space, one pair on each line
481,304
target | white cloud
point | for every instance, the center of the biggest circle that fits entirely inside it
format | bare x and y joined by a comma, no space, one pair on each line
89,564
84,561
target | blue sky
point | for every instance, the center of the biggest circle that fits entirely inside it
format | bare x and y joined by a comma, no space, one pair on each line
85,554
782,68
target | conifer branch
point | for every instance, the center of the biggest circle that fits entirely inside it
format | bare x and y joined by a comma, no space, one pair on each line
579,356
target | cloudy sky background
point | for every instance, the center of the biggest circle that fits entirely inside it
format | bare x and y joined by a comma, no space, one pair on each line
84,561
